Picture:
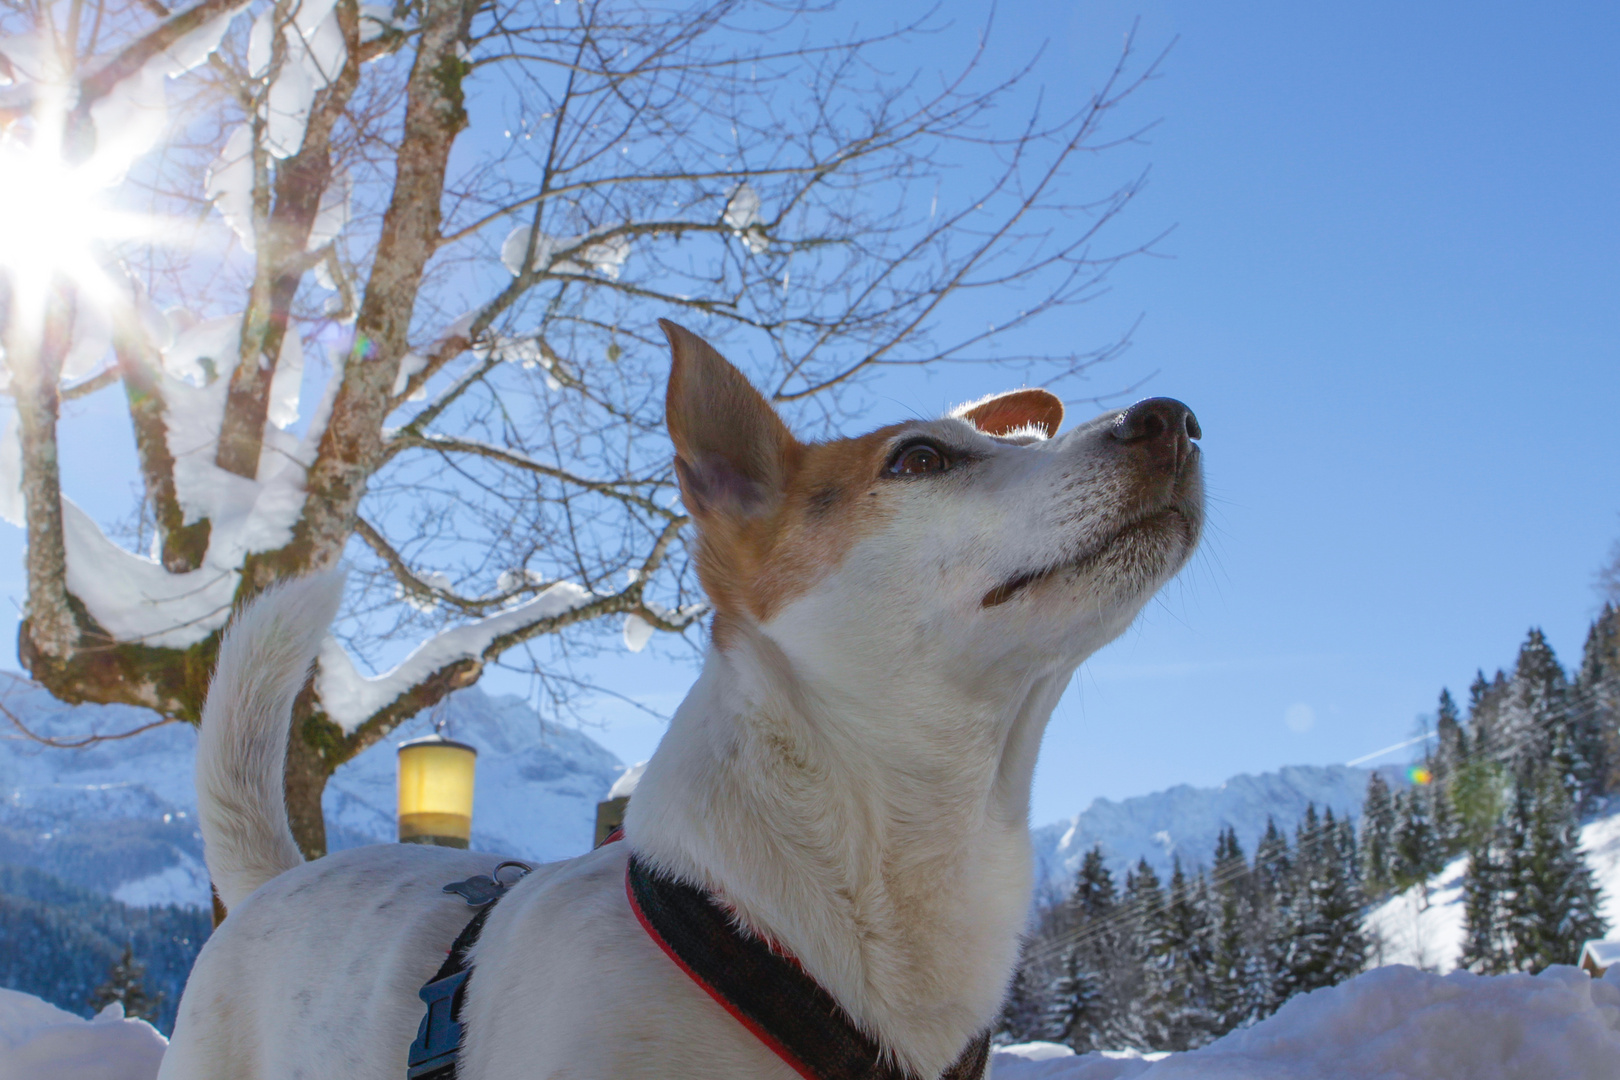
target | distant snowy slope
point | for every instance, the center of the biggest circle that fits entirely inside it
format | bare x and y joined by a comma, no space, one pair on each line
1424,927
120,817
1186,821
105,817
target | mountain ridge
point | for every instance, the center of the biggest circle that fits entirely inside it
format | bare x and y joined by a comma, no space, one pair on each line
1184,821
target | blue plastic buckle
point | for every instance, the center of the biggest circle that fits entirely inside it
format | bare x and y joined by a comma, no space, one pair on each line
438,1040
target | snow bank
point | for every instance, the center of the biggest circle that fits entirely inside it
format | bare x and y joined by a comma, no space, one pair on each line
1053,1061
1394,1023
38,1040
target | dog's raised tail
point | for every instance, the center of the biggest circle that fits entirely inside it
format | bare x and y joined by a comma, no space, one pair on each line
242,744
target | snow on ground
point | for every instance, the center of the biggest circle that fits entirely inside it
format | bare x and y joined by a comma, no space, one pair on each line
1423,926
1392,1023
40,1041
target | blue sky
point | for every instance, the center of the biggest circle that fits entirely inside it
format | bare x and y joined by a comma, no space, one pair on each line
1390,294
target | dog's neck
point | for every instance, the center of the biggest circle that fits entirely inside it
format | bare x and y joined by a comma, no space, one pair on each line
882,837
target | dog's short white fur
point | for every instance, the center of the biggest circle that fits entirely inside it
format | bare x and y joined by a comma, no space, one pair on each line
897,616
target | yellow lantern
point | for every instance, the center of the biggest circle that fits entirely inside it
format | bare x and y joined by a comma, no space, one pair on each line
436,791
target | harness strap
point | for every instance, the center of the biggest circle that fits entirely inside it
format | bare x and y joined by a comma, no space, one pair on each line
438,1038
767,991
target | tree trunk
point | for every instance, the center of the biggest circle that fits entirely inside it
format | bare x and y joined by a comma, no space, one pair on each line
183,546
36,371
315,748
352,445
283,258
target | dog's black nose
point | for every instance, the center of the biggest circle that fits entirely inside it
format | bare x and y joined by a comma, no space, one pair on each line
1162,426
1157,418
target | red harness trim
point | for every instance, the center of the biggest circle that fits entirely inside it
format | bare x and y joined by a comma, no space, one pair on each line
760,1033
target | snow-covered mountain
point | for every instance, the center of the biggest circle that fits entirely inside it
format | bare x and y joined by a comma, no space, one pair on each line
1423,926
120,817
1185,821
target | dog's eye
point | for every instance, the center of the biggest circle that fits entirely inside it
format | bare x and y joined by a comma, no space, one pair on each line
918,459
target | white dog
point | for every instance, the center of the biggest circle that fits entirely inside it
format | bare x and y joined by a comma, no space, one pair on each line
896,616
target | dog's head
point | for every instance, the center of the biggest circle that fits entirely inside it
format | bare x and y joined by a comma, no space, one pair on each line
981,545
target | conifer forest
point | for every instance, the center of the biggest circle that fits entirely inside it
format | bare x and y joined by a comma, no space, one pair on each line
1147,964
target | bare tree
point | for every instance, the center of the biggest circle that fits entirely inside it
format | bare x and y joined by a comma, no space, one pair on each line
468,216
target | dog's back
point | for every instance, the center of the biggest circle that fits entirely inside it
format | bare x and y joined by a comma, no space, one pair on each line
315,973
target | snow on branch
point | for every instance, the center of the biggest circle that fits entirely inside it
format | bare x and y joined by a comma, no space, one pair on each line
350,698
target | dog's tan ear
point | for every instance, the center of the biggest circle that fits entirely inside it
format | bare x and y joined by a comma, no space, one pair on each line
731,449
1000,413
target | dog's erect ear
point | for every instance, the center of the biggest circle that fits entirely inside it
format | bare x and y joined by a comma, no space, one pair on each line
1000,413
731,449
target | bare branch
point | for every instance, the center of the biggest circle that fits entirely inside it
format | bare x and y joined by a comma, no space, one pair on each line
84,740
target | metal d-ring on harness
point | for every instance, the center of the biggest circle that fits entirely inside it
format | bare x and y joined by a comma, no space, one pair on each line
438,1040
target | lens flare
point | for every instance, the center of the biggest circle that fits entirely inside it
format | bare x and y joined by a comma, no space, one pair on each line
55,217
1419,775
58,231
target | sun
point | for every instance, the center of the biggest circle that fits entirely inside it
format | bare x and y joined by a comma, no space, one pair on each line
58,227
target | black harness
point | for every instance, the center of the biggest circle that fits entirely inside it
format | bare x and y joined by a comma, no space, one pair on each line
764,988
438,1039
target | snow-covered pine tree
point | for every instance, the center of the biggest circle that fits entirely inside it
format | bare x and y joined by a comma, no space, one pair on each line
1553,906
1074,977
1094,895
1377,835
1272,862
1325,945
1177,1003
1142,940
1085,998
1073,1000
1450,753
125,985
1485,699
1341,907
1417,852
1485,947
1450,739
1237,983
1445,822
1273,924
1596,695
1023,1011
1535,712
